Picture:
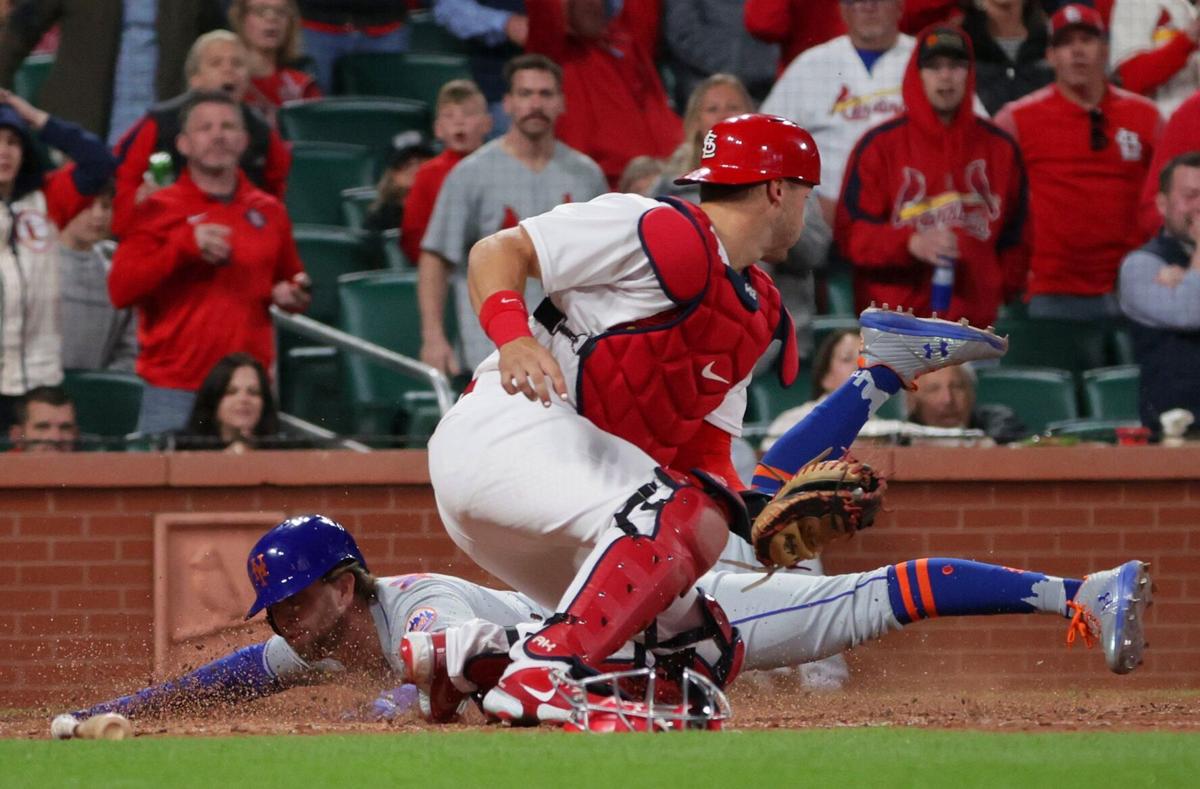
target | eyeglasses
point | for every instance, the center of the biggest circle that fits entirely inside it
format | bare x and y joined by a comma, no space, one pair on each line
1099,140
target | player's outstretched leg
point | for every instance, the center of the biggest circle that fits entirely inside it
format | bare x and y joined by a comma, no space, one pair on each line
1108,606
897,349
666,536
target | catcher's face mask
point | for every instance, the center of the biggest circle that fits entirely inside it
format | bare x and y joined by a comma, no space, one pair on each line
602,704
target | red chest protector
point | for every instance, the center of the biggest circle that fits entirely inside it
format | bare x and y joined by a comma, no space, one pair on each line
653,382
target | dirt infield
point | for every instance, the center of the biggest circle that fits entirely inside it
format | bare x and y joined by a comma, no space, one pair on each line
762,701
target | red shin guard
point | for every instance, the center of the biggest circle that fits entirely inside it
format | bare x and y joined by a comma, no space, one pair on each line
640,574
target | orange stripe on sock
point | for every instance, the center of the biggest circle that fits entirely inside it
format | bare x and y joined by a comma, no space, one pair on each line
926,588
906,591
763,470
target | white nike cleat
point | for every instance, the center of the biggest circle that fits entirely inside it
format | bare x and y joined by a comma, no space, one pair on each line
912,346
1111,606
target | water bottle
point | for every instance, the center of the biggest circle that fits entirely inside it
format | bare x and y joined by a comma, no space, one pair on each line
162,169
943,284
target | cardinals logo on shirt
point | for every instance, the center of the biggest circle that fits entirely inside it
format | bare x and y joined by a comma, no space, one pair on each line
880,104
973,210
1129,144
33,230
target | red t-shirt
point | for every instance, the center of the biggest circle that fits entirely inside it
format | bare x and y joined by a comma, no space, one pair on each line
190,312
418,205
1084,202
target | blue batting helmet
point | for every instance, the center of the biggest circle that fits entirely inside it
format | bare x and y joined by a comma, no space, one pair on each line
294,554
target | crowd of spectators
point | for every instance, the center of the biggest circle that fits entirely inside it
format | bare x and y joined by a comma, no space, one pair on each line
1038,155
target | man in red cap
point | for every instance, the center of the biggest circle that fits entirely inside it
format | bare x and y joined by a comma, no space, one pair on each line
1087,146
937,187
601,492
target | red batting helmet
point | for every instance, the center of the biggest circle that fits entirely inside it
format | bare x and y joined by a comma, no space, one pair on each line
749,149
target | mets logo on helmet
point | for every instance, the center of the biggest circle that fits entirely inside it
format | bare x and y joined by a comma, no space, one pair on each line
258,568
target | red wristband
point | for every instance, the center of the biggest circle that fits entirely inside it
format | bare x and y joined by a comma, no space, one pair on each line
504,318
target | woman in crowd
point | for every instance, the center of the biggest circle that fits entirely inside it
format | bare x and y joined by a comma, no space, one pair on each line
36,204
719,97
836,360
270,30
234,409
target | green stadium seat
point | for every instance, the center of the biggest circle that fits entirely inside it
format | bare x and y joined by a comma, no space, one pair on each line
310,386
839,292
1067,345
367,121
393,255
27,82
328,252
1112,392
381,307
320,171
428,36
824,325
106,403
400,75
1039,395
356,201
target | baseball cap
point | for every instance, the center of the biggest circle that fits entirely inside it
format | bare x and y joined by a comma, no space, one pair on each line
945,41
1076,15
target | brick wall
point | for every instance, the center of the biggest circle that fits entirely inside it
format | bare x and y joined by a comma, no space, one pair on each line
76,551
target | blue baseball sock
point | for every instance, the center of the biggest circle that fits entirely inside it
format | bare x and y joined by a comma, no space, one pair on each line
926,588
832,424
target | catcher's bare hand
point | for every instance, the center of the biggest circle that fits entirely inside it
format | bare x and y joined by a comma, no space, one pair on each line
824,500
526,366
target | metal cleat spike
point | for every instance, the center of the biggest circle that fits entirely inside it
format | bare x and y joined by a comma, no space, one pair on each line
885,305
963,322
910,310
899,308
872,306
991,329
933,315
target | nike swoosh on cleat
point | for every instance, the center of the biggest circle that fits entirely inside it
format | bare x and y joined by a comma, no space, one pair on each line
708,373
540,695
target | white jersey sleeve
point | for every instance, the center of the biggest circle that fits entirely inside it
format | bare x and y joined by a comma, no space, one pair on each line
581,245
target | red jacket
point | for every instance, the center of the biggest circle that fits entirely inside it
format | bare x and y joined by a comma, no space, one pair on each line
1084,202
913,173
418,205
616,106
190,312
1180,136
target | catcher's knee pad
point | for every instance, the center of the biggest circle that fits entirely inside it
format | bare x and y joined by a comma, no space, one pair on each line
714,649
674,532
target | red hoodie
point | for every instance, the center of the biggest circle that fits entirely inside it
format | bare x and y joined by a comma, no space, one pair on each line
913,173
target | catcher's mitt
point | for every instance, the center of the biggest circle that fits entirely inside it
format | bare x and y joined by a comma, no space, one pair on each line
825,499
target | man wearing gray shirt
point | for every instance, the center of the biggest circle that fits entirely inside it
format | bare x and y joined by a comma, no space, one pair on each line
523,173
95,334
1160,293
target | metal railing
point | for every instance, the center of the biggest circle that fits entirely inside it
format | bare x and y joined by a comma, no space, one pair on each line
397,362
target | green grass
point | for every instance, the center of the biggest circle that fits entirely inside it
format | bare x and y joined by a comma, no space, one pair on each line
828,758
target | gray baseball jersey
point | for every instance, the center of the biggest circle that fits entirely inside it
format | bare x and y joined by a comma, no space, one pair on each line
489,191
